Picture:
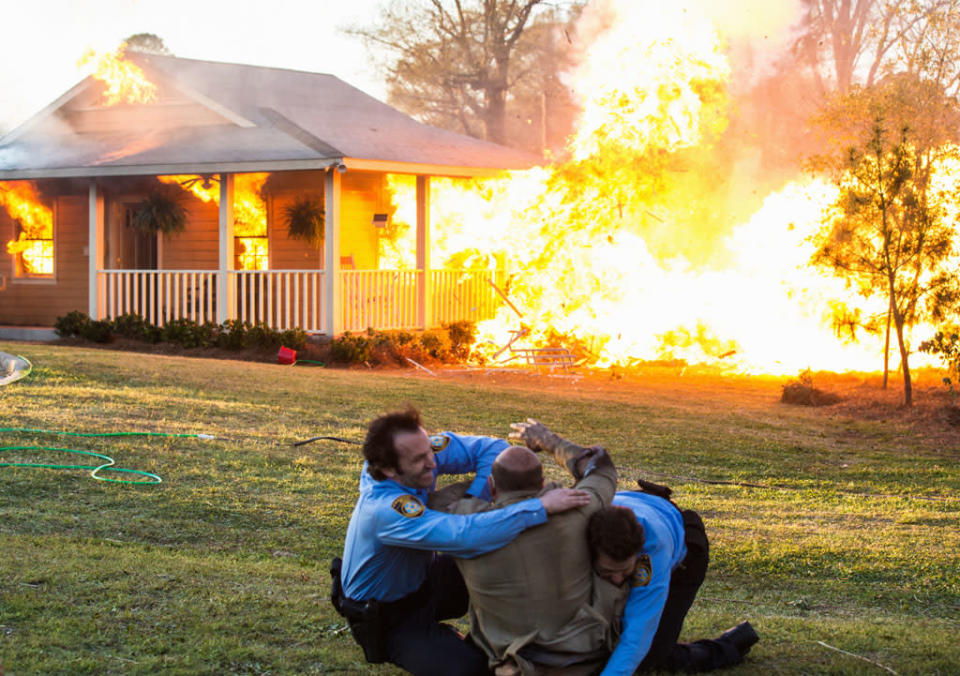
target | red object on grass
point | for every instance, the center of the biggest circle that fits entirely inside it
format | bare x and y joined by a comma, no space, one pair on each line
286,356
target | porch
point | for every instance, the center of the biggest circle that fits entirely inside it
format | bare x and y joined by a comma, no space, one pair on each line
285,299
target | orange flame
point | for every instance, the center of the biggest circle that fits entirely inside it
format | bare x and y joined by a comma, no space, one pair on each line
585,239
249,212
124,81
33,249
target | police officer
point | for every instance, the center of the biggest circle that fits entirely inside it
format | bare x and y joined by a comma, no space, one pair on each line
393,588
645,541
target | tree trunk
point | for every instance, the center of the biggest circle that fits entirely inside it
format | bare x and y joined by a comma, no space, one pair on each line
886,347
495,115
907,385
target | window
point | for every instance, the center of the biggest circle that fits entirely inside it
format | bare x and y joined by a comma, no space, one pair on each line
252,253
32,243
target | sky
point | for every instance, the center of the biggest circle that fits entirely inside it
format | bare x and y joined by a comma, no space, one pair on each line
44,39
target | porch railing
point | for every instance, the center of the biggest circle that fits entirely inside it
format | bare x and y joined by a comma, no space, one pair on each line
382,299
283,299
464,294
159,295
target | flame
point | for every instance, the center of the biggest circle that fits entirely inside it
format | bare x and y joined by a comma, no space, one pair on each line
249,212
604,251
124,81
34,246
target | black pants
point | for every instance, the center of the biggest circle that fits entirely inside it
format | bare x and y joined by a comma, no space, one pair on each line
665,653
417,641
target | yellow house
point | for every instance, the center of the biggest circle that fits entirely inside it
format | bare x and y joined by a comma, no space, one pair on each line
241,147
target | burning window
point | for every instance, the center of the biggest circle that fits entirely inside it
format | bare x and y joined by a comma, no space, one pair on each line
32,243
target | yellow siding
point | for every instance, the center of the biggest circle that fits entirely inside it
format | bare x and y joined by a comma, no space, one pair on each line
40,302
197,247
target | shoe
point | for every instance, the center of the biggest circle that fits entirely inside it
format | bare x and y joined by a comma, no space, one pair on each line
743,636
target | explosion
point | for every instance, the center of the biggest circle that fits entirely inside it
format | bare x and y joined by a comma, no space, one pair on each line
607,253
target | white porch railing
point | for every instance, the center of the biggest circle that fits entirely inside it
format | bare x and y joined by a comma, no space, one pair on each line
159,295
382,299
464,294
283,299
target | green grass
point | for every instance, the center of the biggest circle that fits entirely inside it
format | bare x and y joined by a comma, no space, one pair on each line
223,567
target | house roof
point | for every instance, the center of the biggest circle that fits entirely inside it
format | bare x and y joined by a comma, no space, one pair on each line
230,117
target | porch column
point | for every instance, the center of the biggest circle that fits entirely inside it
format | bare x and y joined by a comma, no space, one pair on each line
331,250
225,290
95,250
424,296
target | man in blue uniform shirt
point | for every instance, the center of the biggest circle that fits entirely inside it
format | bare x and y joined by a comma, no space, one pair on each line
393,587
645,541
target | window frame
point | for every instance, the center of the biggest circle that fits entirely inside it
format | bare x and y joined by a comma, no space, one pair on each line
34,278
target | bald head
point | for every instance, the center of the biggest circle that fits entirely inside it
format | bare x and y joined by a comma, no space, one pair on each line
517,469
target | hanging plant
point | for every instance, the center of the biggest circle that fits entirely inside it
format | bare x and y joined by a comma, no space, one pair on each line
305,220
160,211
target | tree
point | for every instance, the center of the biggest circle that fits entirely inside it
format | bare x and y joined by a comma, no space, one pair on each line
475,65
891,231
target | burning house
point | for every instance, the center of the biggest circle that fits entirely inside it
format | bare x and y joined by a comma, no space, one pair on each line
177,188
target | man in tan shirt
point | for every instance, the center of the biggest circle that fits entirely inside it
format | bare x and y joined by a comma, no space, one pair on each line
532,602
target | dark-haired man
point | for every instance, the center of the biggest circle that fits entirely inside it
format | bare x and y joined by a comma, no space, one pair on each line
393,588
645,543
531,601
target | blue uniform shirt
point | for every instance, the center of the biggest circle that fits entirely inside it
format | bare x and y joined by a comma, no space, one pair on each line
392,535
664,545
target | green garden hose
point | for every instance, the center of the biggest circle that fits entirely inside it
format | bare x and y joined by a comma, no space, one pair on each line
95,470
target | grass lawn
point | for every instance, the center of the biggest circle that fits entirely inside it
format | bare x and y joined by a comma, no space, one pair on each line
222,568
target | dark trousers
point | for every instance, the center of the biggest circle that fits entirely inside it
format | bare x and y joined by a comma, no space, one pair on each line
417,641
665,653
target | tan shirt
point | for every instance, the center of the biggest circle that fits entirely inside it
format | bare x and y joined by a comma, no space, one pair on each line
536,593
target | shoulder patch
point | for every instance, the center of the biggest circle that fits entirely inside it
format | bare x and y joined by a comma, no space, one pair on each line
438,442
408,506
642,572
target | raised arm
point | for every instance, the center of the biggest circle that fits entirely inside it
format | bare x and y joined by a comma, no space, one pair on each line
460,454
591,467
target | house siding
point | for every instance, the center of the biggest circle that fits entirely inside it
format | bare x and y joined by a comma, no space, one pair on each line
40,302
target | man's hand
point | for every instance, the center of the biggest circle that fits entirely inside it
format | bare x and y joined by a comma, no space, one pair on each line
535,435
561,499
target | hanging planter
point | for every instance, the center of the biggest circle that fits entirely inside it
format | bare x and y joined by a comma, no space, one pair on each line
160,211
305,220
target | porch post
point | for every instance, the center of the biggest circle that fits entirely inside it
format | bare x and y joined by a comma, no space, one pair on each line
225,299
331,244
95,251
424,296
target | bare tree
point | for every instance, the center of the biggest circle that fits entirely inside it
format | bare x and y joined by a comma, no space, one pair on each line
462,64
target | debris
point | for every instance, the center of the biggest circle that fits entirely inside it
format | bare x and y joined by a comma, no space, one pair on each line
420,366
859,657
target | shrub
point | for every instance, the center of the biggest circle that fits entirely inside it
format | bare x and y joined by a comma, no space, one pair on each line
946,345
97,331
232,334
295,339
187,333
435,343
801,392
71,323
261,337
350,348
130,326
462,335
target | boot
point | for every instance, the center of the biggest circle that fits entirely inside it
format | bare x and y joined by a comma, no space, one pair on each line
743,636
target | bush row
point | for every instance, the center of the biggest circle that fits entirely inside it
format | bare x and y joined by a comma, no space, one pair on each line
449,344
232,334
